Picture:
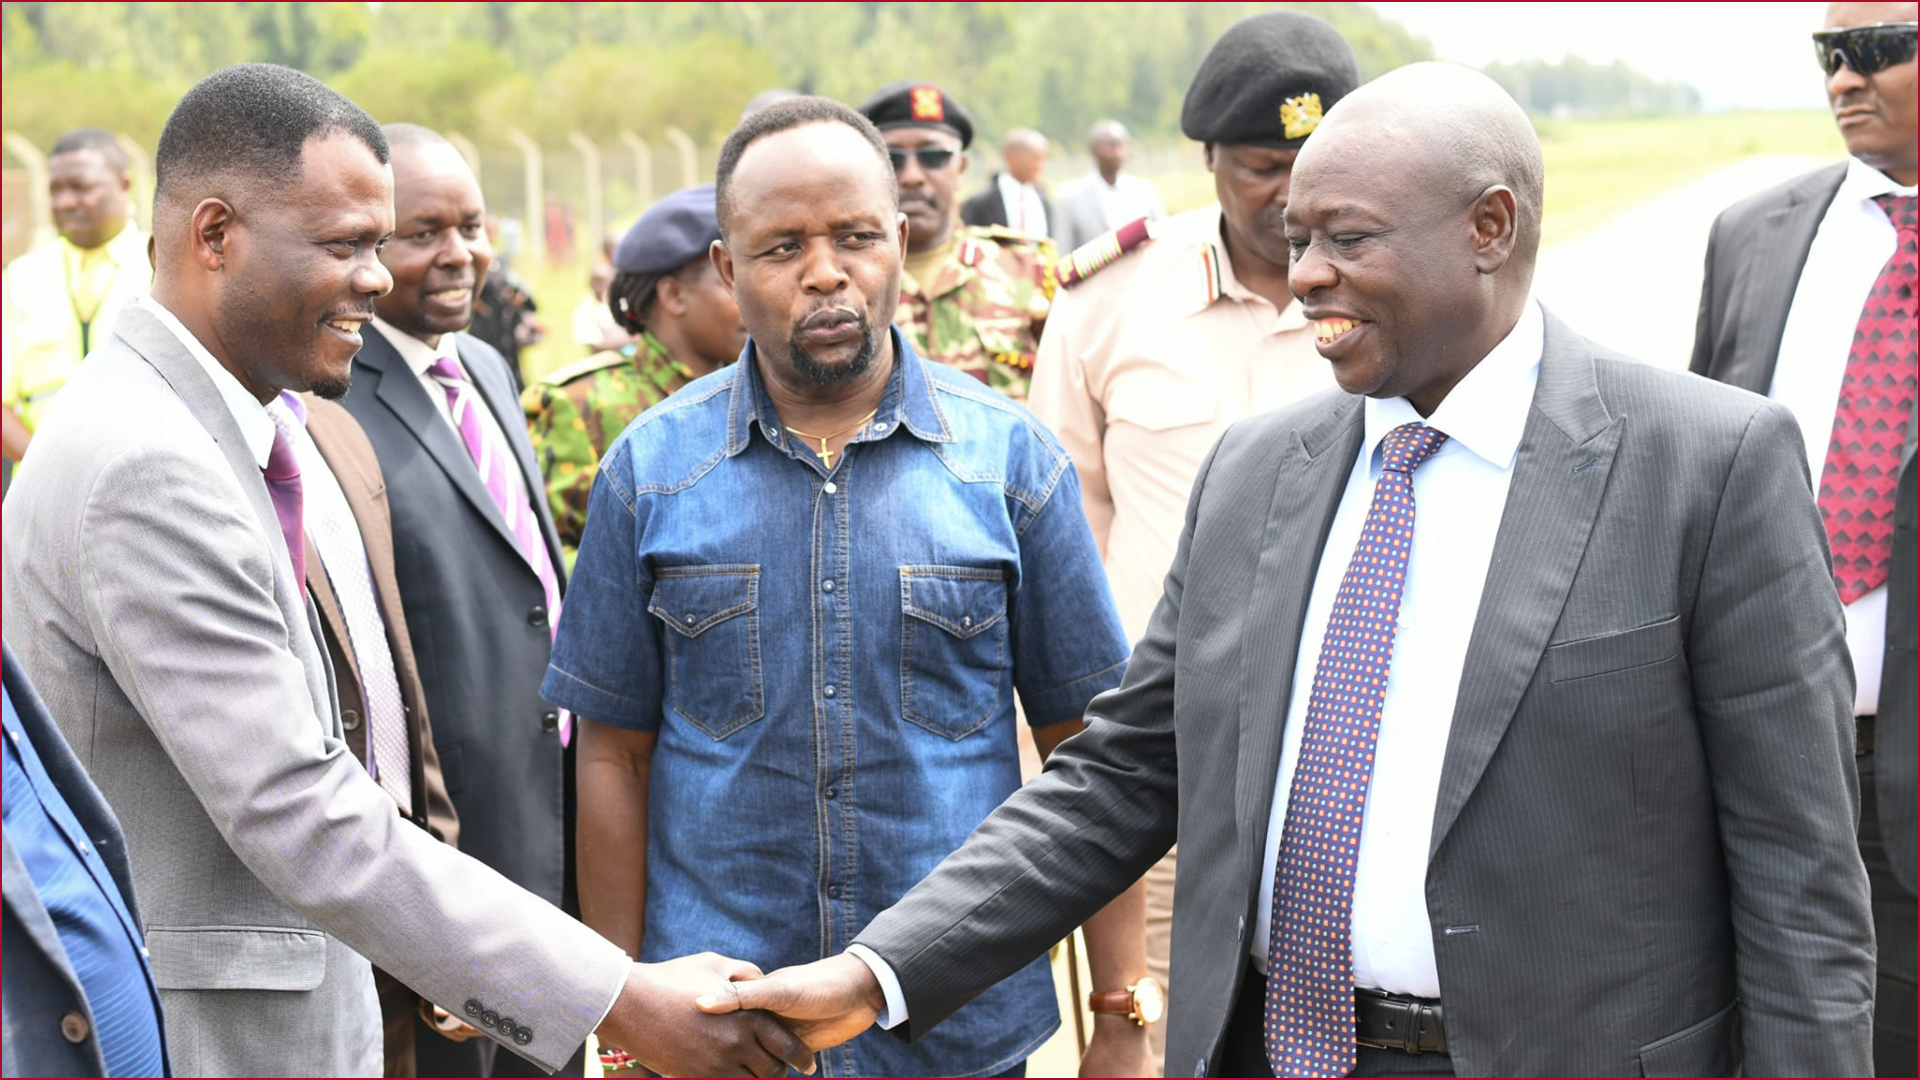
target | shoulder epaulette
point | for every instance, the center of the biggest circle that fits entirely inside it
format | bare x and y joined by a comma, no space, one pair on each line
599,361
1090,257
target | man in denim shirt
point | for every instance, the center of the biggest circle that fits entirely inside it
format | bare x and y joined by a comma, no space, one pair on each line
808,588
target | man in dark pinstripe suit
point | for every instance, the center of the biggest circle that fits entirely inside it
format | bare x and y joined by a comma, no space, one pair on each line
1601,734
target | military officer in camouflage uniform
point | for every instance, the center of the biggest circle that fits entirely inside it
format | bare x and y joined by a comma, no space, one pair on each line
973,297
666,292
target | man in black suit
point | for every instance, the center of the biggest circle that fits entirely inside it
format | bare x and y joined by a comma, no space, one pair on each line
1498,699
1014,199
1809,299
475,552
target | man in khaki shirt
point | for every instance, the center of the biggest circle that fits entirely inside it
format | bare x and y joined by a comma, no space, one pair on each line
1167,332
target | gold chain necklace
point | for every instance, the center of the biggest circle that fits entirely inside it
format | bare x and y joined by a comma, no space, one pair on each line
826,455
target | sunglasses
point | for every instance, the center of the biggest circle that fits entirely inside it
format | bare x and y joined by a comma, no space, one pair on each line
931,158
1866,49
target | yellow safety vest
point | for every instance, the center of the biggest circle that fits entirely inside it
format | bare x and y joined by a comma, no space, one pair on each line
41,326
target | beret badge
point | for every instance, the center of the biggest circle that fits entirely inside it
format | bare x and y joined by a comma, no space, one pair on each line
1300,115
927,105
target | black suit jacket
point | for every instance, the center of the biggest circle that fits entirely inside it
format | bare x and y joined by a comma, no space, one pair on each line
1754,257
475,612
1642,859
41,986
987,208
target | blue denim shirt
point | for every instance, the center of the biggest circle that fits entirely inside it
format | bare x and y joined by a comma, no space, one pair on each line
829,659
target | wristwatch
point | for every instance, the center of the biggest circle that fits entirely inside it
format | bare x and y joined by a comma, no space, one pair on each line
1144,1002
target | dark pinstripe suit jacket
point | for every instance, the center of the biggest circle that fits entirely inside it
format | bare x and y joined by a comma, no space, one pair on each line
1642,858
1754,256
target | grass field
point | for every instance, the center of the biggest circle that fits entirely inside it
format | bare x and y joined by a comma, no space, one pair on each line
1595,170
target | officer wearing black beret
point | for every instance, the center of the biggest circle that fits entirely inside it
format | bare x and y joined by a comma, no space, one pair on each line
972,297
685,324
1165,333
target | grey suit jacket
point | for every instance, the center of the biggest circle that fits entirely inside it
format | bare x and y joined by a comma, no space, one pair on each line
159,618
1754,256
1642,860
476,613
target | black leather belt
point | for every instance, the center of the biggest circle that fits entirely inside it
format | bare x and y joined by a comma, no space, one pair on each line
1862,735
1397,1022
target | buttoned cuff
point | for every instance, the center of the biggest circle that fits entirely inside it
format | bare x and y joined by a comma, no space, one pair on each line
895,1013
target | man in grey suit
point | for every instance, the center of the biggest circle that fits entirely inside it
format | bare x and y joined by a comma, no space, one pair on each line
1107,197
1809,299
1550,778
475,553
173,639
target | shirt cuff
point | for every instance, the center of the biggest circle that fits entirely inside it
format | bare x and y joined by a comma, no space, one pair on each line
895,1013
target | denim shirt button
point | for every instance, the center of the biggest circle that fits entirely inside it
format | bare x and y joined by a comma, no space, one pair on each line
833,892
830,487
830,691
690,620
879,427
827,585
833,793
966,620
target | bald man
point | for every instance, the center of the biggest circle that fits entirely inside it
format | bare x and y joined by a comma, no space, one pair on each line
1552,777
1013,198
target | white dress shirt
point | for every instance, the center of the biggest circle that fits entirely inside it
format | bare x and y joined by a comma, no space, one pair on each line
256,427
1460,494
1025,212
1854,241
1128,198
420,356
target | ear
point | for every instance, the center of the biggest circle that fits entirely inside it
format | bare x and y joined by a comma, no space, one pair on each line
900,226
1206,155
965,160
722,261
1496,228
670,295
212,227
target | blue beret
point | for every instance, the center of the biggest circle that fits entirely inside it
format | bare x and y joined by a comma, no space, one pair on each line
672,233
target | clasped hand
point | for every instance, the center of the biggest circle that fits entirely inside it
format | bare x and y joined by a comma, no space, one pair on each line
655,1020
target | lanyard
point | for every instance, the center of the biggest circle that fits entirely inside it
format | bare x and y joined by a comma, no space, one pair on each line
73,298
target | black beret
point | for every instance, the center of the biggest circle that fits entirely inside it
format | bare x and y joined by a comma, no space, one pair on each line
918,104
672,233
1268,80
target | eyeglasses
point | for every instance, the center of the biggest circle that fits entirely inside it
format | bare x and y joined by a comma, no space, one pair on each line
931,158
1866,49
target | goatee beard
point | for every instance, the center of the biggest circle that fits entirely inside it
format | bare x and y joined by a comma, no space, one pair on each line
820,374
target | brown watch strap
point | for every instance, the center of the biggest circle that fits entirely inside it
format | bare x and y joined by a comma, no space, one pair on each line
1119,1002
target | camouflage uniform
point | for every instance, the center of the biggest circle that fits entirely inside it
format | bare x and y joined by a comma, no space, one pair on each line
575,412
984,310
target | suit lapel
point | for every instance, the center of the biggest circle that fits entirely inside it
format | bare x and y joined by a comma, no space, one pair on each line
1769,276
1310,475
320,587
1566,455
400,391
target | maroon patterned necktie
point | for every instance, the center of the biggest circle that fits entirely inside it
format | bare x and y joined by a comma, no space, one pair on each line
1862,472
1309,1016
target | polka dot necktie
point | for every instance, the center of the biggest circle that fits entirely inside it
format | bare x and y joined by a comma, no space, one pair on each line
1862,470
1309,1015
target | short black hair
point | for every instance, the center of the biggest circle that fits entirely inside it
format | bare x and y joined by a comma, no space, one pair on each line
785,115
98,140
251,123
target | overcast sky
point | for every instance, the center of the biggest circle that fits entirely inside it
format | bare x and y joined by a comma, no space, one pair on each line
1755,56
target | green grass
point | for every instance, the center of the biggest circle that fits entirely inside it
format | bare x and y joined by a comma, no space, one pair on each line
1598,168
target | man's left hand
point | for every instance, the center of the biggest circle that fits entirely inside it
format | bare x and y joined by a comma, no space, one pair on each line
1118,1047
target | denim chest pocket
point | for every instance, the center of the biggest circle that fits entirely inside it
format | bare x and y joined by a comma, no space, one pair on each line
953,646
712,617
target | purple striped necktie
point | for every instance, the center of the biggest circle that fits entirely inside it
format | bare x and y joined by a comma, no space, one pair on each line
282,474
1309,1015
494,460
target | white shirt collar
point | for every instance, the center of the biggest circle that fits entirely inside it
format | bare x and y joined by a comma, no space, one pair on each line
1487,410
418,354
256,427
1863,182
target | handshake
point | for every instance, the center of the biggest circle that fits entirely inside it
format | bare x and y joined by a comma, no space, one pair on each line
706,1015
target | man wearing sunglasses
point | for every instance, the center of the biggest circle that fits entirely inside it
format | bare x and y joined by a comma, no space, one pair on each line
972,297
1809,299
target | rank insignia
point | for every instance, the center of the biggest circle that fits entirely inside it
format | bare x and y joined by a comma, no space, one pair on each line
1300,115
928,106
